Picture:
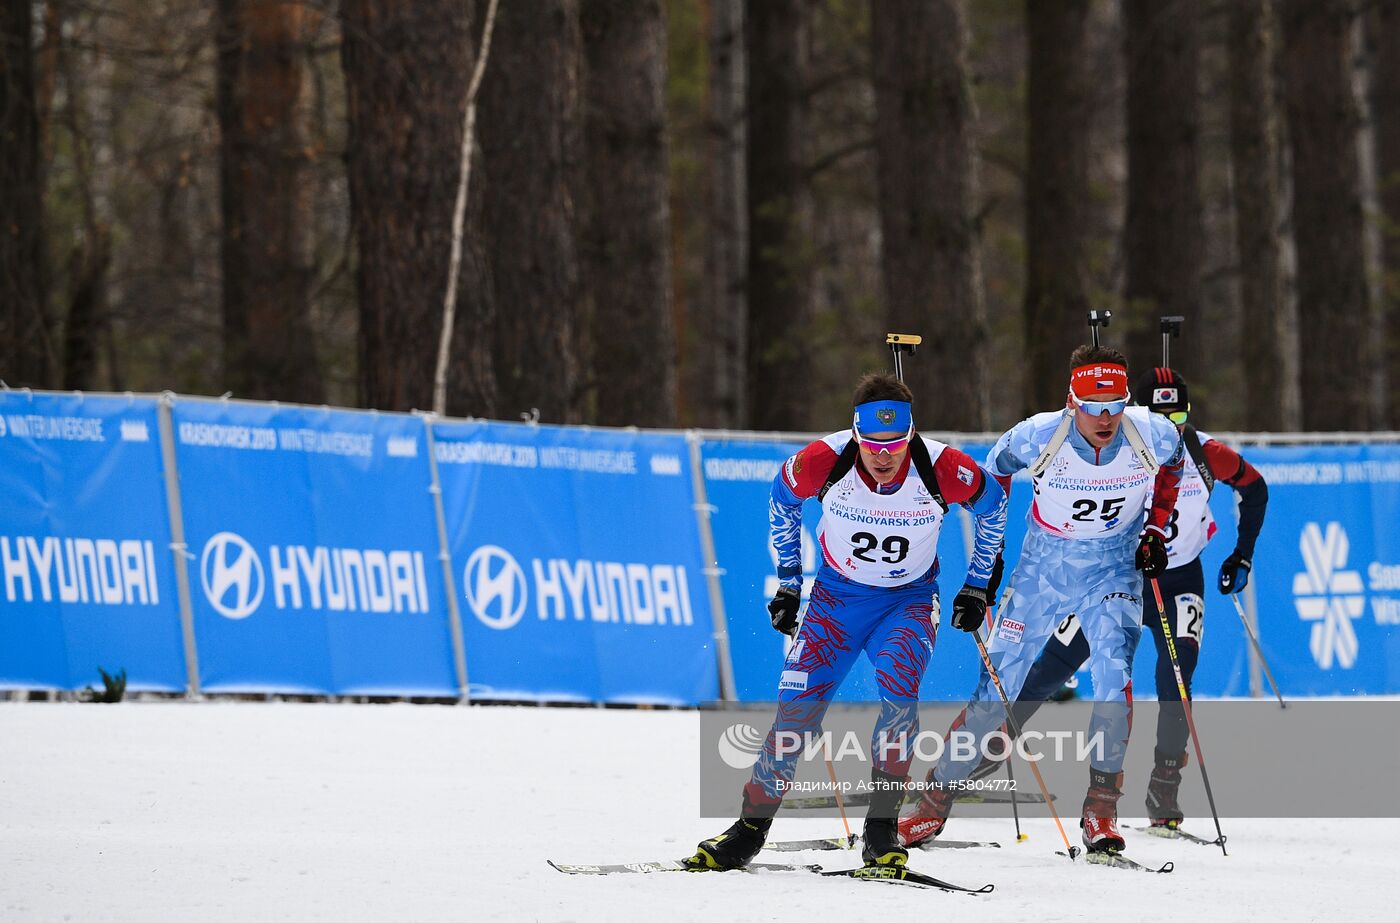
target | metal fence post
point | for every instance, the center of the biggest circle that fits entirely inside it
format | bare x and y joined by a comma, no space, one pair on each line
178,549
712,571
454,615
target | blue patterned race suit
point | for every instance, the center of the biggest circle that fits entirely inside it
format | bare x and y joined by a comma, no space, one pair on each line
1085,519
1183,592
876,592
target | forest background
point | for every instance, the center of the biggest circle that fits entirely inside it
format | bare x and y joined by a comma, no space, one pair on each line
704,212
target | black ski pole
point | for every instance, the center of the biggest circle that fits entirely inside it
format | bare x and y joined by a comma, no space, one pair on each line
1010,773
1254,640
1071,851
1186,708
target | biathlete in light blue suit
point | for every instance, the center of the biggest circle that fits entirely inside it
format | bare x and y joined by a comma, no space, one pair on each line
1105,480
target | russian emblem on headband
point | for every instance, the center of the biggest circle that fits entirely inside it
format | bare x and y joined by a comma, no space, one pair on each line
885,415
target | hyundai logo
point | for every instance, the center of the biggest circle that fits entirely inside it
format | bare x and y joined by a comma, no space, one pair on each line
495,587
232,575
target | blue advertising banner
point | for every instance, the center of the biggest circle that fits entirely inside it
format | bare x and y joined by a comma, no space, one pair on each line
85,558
1325,581
315,549
578,563
738,478
1327,568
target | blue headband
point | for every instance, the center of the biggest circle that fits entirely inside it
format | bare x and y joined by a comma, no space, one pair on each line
884,417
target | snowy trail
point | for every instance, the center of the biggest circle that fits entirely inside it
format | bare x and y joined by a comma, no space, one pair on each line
223,811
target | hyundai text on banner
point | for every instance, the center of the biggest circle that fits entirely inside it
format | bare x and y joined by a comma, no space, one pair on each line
578,564
85,556
315,550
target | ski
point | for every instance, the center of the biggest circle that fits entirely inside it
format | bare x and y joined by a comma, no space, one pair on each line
1120,861
858,799
836,842
936,843
888,874
831,842
671,865
1176,833
898,874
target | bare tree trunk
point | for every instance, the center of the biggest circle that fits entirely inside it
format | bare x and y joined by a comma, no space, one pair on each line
1164,227
1058,114
87,310
1385,106
1328,223
86,113
779,212
924,123
723,323
1254,163
269,352
531,150
406,69
626,241
26,352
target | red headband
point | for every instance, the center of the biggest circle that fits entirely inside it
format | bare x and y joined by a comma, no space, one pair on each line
1100,378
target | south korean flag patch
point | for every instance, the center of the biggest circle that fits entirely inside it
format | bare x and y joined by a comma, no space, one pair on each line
1166,396
965,475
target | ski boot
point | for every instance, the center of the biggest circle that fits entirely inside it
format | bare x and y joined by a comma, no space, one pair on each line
1162,807
929,816
736,847
880,838
1100,820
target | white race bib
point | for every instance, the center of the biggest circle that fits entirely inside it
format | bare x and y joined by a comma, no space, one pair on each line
1078,500
881,539
1191,525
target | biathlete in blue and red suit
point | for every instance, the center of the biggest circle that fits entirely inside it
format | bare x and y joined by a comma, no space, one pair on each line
884,492
1191,526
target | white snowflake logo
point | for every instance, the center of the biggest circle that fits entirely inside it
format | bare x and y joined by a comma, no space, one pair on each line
1329,596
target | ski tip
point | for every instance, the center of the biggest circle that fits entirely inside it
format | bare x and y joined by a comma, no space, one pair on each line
1166,867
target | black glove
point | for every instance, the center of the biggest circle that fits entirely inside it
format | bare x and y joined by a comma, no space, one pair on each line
1151,555
782,609
994,583
970,608
1234,573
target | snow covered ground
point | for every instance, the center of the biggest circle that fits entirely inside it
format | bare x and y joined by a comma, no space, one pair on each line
237,811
